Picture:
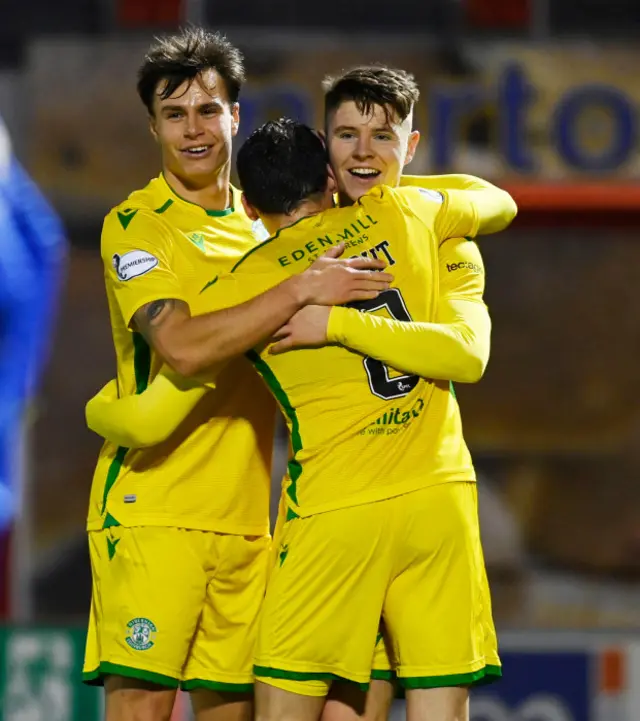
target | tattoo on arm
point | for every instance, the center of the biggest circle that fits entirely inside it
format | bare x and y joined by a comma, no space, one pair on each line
153,310
152,315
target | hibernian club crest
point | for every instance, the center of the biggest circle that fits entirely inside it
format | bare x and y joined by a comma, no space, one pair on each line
141,633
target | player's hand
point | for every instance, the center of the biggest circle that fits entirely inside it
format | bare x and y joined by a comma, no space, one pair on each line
332,280
306,329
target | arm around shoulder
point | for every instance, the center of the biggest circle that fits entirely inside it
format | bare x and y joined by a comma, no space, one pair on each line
145,419
494,207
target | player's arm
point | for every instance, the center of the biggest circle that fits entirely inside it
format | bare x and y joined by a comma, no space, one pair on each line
455,347
193,344
145,419
137,250
150,417
495,208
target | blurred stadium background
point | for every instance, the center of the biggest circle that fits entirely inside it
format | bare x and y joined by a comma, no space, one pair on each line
541,96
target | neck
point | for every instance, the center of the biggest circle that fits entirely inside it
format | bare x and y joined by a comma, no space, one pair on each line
214,194
274,223
344,200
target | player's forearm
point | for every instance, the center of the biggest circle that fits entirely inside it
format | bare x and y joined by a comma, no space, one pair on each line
495,208
146,419
456,351
452,181
193,345
206,342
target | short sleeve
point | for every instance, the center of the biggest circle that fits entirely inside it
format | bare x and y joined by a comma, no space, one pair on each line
137,255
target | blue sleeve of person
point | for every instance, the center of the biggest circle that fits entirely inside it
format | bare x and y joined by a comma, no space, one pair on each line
32,254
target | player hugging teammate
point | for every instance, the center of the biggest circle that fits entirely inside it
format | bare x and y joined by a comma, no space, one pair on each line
370,524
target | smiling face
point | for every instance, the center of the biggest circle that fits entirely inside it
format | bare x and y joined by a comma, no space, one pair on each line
194,128
366,150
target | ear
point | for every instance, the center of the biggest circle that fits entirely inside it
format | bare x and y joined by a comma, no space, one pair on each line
249,209
235,119
153,128
414,139
332,185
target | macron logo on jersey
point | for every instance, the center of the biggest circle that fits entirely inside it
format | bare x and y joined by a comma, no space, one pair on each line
432,195
126,216
134,263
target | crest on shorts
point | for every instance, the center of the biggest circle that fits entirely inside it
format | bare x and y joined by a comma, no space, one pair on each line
141,634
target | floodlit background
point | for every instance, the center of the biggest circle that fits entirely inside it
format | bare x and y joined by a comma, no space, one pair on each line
540,96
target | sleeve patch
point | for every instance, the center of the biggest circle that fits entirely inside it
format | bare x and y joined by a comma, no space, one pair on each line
473,267
432,195
134,263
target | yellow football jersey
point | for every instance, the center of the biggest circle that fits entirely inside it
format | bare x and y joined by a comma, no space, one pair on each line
214,472
361,432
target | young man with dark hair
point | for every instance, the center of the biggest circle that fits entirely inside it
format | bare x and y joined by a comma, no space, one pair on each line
347,463
354,474
178,533
382,100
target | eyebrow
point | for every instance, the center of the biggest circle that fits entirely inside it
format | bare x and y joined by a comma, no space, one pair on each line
209,103
381,129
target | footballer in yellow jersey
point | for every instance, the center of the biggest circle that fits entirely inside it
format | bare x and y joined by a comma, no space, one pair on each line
175,552
380,479
368,112
156,245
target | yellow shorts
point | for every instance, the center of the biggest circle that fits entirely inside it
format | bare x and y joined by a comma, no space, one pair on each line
384,663
175,606
415,561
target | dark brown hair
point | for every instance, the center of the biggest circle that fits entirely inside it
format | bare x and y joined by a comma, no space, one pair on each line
371,85
183,56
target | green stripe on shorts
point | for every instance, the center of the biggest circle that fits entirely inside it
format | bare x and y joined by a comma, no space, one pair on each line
96,677
195,683
268,672
481,677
